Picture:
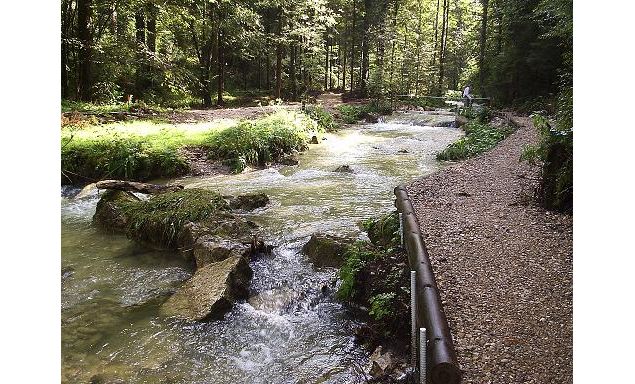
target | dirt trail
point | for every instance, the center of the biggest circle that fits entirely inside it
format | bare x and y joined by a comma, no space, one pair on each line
503,265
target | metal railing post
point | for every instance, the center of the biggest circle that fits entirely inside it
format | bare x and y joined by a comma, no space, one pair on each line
422,355
413,320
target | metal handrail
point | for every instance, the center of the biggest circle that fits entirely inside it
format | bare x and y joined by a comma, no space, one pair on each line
442,364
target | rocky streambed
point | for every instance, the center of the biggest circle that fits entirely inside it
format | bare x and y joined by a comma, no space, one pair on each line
232,296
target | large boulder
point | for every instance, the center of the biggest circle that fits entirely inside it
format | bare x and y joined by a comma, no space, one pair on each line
110,214
326,250
211,291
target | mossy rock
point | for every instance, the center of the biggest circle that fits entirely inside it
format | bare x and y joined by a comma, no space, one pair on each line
326,250
110,214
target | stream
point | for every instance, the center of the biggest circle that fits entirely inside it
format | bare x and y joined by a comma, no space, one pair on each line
289,331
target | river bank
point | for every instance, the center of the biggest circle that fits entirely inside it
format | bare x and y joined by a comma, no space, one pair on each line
503,265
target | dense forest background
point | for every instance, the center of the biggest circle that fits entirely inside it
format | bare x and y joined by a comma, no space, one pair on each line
190,53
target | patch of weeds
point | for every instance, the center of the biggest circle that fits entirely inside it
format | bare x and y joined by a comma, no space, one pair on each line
356,256
381,305
383,230
323,117
479,137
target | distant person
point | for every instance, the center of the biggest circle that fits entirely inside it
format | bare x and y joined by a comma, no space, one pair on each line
467,98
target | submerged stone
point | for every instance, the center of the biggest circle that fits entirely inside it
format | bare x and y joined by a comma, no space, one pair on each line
210,293
249,202
344,169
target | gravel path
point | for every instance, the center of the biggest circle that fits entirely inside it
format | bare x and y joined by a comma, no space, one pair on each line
503,266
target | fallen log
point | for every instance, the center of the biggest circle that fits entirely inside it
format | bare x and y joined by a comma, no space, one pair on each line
133,186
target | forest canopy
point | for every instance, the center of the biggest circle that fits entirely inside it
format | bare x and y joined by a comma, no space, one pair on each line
190,53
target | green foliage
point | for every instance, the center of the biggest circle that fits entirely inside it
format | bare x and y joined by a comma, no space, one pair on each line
163,216
381,305
555,152
356,257
481,114
384,230
478,138
262,141
323,117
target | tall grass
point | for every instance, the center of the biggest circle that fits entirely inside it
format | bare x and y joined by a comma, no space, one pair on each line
262,141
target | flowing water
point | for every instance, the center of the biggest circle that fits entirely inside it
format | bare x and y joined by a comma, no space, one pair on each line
289,331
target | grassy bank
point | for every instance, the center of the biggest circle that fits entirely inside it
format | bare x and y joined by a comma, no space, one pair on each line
143,150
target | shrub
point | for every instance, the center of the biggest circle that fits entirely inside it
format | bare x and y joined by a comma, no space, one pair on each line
381,305
351,113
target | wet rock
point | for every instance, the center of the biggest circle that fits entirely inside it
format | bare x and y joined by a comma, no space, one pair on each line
314,140
402,151
291,159
210,293
106,379
274,300
371,117
249,201
326,250
87,191
380,363
344,169
210,249
109,214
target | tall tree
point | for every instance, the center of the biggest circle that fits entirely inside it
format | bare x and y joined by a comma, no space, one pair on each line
84,14
482,43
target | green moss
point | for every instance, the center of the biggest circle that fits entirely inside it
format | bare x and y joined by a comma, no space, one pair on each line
160,219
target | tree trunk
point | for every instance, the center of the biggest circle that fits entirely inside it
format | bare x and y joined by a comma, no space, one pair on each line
365,48
481,56
292,72
152,27
353,44
133,186
220,57
326,61
436,36
279,56
443,46
140,34
84,14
